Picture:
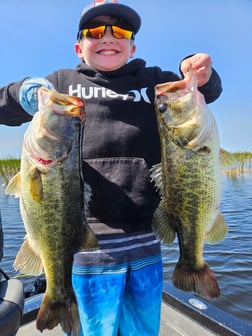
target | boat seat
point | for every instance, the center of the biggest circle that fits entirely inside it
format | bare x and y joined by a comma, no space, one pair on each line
11,299
11,306
1,240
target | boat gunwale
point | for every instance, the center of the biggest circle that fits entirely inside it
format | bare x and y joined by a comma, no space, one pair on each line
212,318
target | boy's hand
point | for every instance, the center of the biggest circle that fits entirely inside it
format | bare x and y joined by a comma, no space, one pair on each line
201,64
28,97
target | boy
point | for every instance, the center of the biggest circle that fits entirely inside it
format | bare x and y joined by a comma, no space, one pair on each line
119,286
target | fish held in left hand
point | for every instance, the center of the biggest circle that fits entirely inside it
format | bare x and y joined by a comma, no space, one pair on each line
53,201
189,181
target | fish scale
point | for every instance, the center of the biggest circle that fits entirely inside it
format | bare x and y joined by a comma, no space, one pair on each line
53,203
188,179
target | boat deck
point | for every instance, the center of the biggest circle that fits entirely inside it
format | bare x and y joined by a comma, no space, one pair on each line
173,323
183,314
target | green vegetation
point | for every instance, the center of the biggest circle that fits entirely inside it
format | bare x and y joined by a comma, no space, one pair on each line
8,168
244,159
243,164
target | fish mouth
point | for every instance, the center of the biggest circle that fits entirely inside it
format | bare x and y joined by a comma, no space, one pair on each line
68,105
173,105
63,104
61,116
176,86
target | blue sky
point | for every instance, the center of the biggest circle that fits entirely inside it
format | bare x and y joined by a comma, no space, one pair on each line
37,37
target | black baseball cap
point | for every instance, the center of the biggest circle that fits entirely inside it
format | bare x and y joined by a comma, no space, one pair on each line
111,8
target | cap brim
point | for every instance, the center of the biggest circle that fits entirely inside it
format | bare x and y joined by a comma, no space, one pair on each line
119,10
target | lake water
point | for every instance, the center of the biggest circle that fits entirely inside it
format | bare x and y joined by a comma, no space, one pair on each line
231,259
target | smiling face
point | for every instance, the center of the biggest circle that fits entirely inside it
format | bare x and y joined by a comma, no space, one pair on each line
107,53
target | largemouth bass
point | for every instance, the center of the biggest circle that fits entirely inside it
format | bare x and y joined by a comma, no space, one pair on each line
53,200
189,182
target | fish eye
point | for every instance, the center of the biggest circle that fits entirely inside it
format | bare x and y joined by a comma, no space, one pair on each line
204,150
162,107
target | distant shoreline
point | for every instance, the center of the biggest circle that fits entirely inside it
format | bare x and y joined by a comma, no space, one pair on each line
9,166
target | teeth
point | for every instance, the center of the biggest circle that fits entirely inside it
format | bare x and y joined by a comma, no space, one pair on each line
107,52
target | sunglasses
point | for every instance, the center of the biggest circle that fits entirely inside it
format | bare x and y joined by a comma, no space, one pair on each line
99,31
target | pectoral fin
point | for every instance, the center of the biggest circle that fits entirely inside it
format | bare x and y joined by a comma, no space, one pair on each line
162,226
36,186
14,186
27,261
228,160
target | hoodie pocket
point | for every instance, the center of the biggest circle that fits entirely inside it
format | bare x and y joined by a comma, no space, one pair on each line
121,189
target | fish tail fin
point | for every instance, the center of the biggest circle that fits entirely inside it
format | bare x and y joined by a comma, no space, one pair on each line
201,281
64,313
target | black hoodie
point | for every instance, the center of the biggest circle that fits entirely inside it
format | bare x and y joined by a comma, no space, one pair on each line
121,141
